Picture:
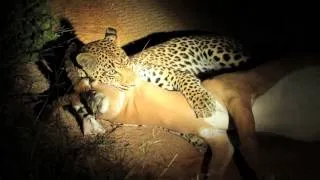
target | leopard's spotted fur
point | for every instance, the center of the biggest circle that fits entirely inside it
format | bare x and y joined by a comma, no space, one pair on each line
172,65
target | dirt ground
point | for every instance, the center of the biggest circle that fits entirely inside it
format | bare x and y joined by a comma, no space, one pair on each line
53,147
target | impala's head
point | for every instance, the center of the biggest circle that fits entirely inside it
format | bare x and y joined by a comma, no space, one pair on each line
111,102
104,61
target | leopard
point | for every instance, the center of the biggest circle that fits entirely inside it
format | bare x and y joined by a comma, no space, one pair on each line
175,65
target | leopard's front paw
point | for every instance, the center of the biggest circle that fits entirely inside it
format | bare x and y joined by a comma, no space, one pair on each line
203,106
219,116
97,102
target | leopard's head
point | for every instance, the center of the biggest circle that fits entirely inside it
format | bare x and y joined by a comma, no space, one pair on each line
106,62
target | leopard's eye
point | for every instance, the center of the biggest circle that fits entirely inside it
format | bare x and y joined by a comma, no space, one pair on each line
109,73
112,72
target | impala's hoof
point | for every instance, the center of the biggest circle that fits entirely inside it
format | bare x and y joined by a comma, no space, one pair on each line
92,127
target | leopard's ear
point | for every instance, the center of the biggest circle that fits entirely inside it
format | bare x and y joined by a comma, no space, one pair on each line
111,34
87,60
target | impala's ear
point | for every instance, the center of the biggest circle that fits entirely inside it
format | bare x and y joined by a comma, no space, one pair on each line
87,60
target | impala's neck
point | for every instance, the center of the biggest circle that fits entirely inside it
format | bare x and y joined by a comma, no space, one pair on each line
148,103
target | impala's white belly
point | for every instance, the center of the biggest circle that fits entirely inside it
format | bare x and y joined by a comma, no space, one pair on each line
292,106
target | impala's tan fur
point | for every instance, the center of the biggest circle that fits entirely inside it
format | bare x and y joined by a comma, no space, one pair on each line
150,105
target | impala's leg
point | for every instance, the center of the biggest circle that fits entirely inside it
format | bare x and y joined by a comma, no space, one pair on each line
89,123
221,148
81,85
241,111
